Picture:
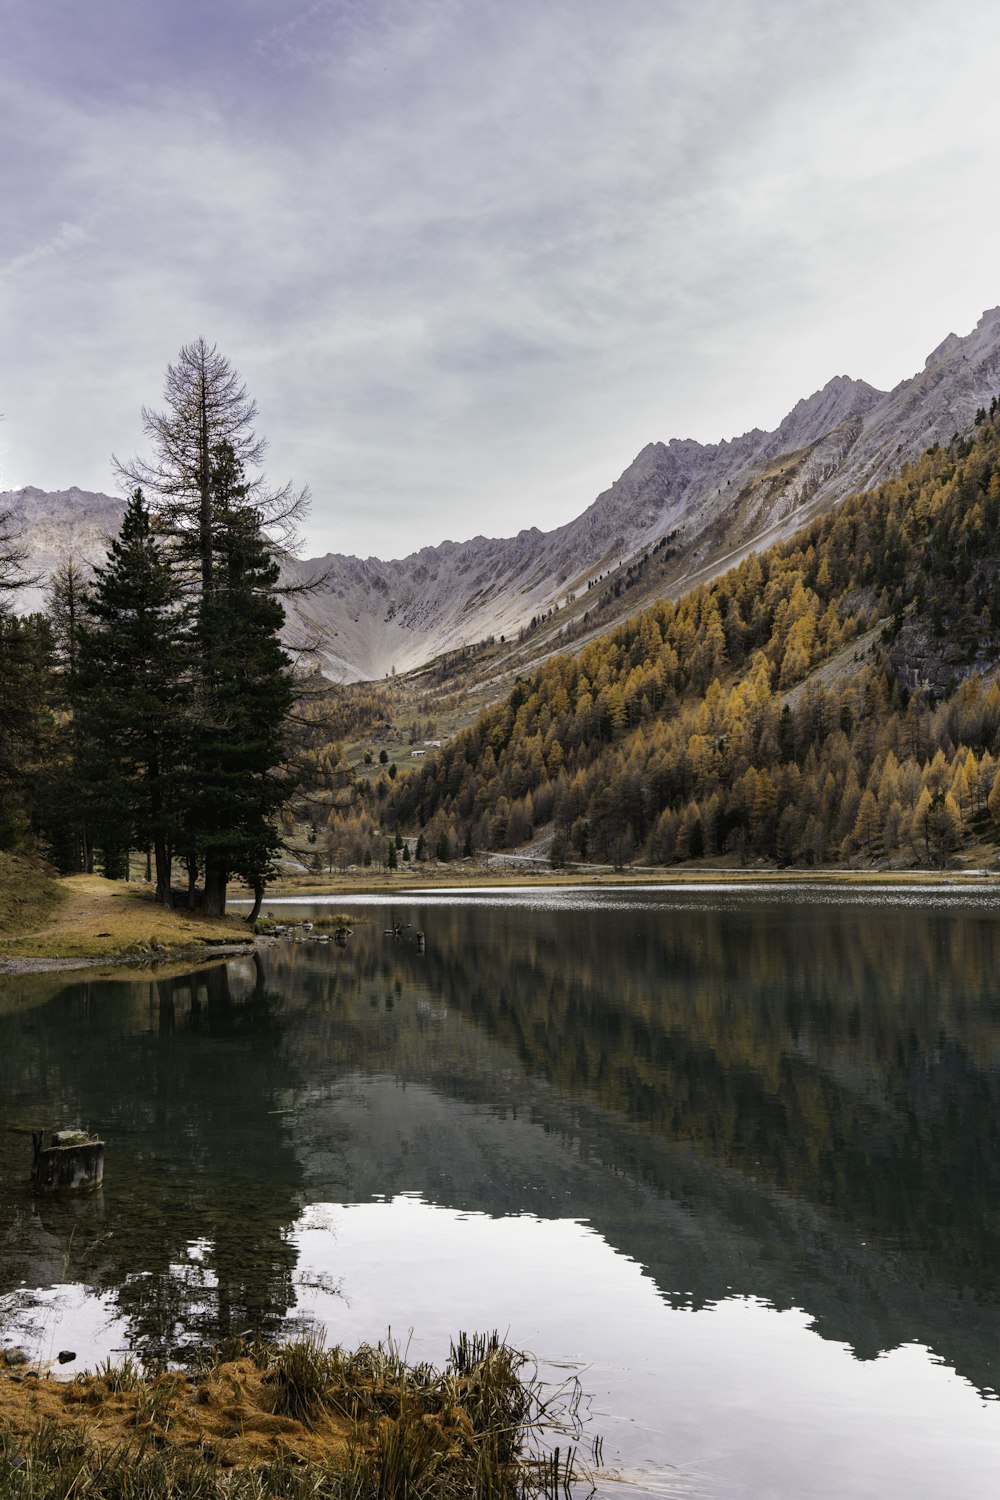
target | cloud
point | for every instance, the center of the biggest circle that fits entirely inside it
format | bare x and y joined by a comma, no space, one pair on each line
66,237
470,259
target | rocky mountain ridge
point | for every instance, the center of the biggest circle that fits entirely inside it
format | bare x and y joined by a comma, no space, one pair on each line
717,501
56,525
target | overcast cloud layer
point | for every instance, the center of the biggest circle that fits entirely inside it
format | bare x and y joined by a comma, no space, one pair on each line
470,256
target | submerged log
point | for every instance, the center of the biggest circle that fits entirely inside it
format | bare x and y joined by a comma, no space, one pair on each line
72,1162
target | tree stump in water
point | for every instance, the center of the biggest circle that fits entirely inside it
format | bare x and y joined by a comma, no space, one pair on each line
72,1162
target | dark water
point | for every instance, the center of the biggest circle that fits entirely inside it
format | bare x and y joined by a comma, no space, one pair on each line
732,1157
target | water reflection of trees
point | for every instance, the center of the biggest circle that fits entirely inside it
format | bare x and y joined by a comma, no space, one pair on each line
839,1058
843,1054
202,1178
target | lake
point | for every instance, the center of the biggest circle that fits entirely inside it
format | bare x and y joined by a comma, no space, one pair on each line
729,1156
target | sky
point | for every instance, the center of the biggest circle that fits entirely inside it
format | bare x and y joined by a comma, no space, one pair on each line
470,257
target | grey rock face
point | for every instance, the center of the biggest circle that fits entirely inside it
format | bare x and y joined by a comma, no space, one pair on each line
59,525
724,500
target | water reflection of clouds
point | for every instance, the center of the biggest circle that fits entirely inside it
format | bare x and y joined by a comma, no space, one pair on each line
690,1148
971,895
68,1316
737,1398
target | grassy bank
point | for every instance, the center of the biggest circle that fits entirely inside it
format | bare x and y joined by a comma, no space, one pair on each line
29,897
86,917
259,1420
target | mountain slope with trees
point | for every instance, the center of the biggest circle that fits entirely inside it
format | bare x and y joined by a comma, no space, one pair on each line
715,502
688,731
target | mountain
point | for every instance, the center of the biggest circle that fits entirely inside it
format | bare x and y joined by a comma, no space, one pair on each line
722,499
56,525
835,696
374,615
713,502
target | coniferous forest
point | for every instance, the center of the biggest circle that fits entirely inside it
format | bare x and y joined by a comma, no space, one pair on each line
147,708
833,699
704,726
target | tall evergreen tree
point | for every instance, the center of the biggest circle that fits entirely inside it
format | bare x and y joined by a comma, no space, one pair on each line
207,403
27,723
65,610
68,832
25,679
133,693
243,695
225,523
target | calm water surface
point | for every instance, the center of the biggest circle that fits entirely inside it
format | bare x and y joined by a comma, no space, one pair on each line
733,1158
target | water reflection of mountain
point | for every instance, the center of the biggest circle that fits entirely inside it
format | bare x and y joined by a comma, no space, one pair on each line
182,1076
799,1104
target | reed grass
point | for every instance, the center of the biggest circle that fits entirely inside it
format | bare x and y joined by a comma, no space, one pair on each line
125,1376
302,1373
372,1425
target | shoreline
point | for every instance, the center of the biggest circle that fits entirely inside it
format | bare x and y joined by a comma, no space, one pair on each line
13,965
86,922
308,887
178,943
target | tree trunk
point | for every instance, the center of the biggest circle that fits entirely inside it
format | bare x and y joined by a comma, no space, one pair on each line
192,895
258,898
216,878
164,895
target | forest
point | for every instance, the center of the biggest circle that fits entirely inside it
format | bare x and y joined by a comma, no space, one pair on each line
702,727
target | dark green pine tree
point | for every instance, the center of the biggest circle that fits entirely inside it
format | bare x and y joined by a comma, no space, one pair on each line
243,696
28,730
66,818
133,696
26,695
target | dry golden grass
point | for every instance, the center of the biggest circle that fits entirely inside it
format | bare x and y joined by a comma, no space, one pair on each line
231,1412
89,917
260,1421
29,895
